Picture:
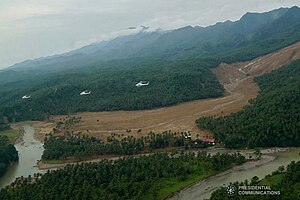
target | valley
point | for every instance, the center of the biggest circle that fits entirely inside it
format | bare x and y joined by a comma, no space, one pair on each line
236,78
31,150
151,113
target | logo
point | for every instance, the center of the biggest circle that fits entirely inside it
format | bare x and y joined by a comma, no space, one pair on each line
231,190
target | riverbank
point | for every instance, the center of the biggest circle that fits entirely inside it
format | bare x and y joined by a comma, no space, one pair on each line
15,132
19,127
248,153
42,129
270,160
52,164
12,134
29,150
249,164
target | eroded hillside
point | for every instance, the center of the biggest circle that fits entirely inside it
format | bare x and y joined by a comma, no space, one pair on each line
236,78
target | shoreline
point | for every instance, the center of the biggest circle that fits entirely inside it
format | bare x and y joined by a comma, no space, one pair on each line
18,127
46,164
269,155
250,164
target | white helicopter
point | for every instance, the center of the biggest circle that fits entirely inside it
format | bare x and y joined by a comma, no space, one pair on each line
142,83
86,92
25,97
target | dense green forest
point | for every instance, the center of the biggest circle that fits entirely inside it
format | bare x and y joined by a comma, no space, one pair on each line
4,127
286,181
8,154
81,146
177,64
272,119
112,89
146,177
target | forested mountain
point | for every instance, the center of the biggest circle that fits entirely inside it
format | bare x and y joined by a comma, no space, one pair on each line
177,64
118,48
272,119
184,43
112,89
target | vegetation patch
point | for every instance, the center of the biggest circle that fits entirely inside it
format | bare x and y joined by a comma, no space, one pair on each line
272,119
11,134
177,65
287,182
81,146
151,177
8,154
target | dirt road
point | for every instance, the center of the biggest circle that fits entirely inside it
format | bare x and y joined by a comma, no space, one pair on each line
236,78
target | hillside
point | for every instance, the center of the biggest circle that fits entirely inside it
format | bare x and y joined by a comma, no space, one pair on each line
252,31
240,88
112,89
272,119
177,64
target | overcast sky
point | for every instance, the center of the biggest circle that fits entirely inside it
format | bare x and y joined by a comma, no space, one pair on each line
34,28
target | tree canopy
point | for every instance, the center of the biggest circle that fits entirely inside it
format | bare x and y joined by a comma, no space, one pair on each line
272,119
286,182
145,177
8,154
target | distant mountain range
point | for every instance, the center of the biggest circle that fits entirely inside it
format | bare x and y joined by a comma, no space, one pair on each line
177,64
185,43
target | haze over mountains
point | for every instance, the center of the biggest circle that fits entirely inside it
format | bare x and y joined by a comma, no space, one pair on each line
253,29
177,63
133,117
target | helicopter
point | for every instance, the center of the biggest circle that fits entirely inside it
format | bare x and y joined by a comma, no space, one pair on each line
142,83
26,97
86,92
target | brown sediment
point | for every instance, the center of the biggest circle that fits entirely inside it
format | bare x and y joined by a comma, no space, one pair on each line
236,78
41,129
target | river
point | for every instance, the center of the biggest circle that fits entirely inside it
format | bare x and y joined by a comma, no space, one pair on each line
268,164
30,151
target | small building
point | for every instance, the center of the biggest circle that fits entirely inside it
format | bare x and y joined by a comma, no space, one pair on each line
210,140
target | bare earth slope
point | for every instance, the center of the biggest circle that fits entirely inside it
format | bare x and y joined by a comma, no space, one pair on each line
237,79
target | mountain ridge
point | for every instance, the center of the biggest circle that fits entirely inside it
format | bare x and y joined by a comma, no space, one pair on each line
172,44
177,64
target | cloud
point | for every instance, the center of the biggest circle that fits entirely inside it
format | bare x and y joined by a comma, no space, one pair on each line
26,11
35,28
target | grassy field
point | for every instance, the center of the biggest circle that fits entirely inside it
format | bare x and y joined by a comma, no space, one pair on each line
170,186
173,186
12,134
272,180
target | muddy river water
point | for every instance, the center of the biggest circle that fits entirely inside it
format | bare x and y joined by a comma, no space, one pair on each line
30,151
269,163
